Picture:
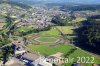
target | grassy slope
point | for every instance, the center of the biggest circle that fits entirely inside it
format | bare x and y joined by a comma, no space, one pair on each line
24,28
66,29
52,31
79,19
47,50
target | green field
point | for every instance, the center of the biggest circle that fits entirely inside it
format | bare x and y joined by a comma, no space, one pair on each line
66,29
24,28
48,50
52,31
47,39
79,19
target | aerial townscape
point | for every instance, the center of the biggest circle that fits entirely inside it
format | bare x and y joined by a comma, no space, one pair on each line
49,33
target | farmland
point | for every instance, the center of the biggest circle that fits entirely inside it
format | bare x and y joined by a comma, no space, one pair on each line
66,29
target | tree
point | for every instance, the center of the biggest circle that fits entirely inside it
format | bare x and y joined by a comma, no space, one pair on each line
7,51
62,22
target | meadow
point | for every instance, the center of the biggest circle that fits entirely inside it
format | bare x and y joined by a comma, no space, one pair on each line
65,49
66,29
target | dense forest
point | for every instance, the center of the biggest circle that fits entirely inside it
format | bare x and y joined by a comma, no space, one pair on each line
89,32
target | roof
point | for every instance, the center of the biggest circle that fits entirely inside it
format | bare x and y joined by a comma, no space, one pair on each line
20,52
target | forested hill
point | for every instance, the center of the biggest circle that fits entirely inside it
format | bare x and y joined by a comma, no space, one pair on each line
81,7
59,1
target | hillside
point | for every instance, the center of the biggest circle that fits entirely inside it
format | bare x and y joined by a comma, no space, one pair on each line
15,4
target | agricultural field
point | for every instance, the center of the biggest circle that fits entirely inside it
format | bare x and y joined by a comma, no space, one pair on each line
65,49
66,29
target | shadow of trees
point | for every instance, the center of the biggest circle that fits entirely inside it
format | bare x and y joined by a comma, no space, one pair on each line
88,36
